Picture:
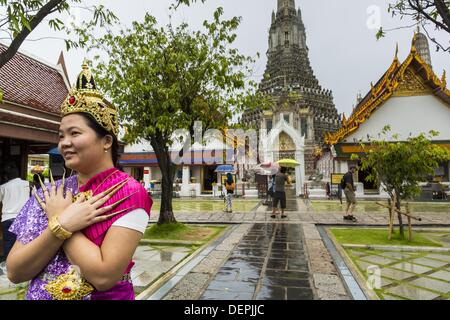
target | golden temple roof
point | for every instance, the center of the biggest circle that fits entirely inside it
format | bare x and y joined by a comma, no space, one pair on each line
413,77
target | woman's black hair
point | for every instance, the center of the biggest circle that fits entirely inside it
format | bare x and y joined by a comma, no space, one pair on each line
283,169
229,178
101,133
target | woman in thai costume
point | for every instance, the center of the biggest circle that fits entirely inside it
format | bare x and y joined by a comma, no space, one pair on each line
76,237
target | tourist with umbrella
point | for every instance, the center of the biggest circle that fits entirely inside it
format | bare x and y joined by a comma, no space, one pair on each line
229,187
281,178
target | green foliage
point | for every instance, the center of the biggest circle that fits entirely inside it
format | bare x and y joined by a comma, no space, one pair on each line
432,16
400,166
380,34
166,78
156,75
23,15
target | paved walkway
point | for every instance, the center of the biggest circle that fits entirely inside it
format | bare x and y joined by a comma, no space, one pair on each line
268,258
304,214
269,263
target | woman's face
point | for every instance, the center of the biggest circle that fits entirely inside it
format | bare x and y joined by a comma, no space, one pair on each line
81,148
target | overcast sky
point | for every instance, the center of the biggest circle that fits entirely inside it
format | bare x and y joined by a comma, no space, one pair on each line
343,51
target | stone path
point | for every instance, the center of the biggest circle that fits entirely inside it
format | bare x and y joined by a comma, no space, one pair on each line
304,214
269,263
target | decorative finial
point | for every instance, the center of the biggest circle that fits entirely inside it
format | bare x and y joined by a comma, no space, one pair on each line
413,45
396,51
85,65
444,80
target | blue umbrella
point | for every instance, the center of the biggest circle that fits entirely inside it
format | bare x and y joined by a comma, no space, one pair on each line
54,152
225,168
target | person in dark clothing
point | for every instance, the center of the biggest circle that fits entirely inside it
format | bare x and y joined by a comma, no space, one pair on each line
349,191
36,182
280,193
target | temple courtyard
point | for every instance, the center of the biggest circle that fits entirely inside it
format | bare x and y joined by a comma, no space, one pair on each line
312,254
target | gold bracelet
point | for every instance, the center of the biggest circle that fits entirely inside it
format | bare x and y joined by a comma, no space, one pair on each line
57,230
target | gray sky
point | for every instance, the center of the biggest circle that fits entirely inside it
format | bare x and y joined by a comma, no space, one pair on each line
343,51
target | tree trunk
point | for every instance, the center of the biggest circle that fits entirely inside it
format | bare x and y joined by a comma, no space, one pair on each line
400,221
168,172
166,212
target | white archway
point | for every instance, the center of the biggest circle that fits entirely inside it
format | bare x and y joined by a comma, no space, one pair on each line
270,145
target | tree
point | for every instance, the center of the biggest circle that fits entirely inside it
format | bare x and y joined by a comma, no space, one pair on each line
164,79
19,18
400,166
434,13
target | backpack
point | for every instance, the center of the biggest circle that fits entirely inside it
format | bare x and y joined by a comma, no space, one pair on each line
230,187
343,184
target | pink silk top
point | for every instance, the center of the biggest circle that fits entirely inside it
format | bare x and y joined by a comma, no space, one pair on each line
138,199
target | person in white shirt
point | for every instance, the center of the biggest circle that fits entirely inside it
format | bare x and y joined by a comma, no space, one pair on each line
13,196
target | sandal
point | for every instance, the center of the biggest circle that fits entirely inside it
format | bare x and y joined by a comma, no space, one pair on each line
283,216
273,216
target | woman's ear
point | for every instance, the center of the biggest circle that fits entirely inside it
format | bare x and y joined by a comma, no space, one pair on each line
108,140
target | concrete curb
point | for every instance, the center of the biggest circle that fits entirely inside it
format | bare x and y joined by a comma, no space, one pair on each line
181,242
352,268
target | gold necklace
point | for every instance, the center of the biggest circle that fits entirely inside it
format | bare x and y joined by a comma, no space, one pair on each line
89,193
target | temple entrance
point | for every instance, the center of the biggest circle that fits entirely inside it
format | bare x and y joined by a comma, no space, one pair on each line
209,177
285,142
369,186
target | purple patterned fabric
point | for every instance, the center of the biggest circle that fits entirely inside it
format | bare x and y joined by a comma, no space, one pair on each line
32,221
29,224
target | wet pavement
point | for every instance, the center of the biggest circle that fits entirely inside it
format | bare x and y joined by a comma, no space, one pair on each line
269,263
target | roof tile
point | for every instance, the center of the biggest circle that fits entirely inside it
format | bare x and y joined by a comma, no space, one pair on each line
29,82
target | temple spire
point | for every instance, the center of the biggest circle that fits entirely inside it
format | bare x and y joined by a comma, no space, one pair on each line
286,3
420,42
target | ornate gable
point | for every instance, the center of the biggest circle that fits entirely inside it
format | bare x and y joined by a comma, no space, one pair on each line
413,77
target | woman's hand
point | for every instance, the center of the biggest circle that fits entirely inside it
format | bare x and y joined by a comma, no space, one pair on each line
83,213
55,202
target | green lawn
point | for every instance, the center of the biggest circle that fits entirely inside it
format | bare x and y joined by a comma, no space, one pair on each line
379,236
180,231
184,205
371,206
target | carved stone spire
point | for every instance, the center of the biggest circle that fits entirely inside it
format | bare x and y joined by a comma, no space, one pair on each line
422,47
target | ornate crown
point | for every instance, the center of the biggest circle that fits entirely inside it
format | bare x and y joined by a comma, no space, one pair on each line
85,98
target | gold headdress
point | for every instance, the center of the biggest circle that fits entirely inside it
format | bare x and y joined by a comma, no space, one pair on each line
85,98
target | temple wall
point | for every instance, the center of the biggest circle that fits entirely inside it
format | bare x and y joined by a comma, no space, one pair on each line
407,115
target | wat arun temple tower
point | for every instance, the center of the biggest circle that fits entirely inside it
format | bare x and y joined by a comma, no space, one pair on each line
298,100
